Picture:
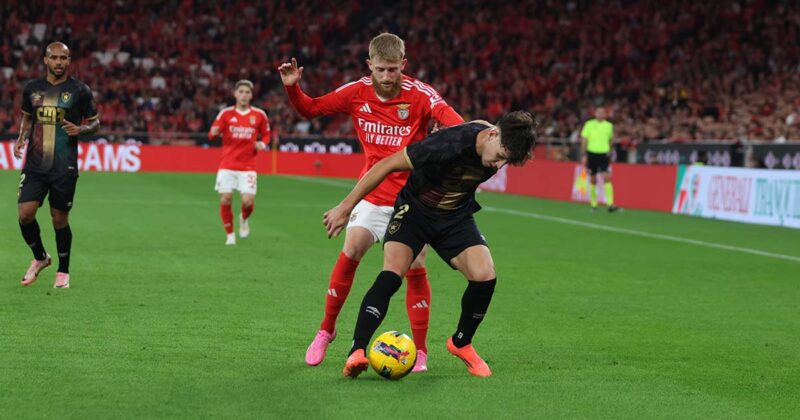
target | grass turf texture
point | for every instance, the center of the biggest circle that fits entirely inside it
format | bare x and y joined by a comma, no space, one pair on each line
163,320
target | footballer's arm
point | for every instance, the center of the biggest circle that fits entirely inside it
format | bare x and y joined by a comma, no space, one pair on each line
76,130
92,127
336,218
447,116
24,128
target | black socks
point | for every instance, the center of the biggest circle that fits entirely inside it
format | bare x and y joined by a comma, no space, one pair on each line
374,307
64,245
474,304
33,237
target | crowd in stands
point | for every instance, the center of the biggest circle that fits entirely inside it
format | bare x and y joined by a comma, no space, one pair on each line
665,69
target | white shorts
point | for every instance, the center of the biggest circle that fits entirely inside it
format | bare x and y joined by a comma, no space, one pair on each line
371,217
244,181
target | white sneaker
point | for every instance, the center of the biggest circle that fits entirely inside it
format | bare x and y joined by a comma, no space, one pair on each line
244,227
231,240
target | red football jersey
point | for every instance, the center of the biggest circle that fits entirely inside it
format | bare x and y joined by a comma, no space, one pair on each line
240,131
383,127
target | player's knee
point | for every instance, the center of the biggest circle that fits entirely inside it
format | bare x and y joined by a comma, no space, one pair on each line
484,273
388,282
248,201
419,262
60,220
355,251
26,218
225,199
396,267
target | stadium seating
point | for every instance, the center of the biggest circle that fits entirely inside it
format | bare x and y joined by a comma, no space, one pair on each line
668,69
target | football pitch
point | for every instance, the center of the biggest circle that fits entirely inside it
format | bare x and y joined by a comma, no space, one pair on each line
628,315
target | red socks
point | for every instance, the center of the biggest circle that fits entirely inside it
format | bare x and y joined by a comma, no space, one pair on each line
418,301
226,213
418,298
338,289
246,211
227,217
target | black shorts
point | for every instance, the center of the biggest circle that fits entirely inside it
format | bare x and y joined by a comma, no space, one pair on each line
34,186
448,235
597,162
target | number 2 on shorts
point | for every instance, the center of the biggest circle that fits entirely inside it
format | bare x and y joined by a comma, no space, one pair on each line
402,211
21,181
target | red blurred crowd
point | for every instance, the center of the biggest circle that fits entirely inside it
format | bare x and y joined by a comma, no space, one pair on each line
667,69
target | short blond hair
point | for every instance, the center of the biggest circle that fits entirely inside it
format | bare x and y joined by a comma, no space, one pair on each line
243,82
386,46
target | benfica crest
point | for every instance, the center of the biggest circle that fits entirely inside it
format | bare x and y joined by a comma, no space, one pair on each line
65,97
252,120
402,111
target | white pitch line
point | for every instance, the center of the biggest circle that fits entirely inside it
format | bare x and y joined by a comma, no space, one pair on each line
595,226
644,234
323,181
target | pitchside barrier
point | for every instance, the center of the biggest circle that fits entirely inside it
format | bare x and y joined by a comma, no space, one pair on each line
637,186
762,196
745,195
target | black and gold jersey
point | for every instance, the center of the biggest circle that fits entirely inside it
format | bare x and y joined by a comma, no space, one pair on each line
50,148
446,170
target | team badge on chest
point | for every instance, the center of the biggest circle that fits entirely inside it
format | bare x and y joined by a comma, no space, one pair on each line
65,97
403,112
252,120
36,98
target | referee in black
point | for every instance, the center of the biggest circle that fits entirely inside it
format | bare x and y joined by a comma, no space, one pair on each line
597,139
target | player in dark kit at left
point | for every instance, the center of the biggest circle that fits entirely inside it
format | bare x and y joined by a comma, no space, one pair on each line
53,109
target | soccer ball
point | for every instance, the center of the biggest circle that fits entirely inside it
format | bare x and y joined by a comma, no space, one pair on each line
392,355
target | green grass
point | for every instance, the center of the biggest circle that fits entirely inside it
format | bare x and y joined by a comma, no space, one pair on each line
165,321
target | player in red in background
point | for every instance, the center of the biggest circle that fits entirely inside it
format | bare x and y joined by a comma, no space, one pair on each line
240,127
389,111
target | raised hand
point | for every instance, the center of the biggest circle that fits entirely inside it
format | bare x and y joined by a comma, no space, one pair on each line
290,73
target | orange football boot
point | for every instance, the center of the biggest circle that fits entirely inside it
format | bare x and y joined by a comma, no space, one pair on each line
355,364
468,355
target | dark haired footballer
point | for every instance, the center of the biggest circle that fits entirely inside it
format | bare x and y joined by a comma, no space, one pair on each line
436,207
